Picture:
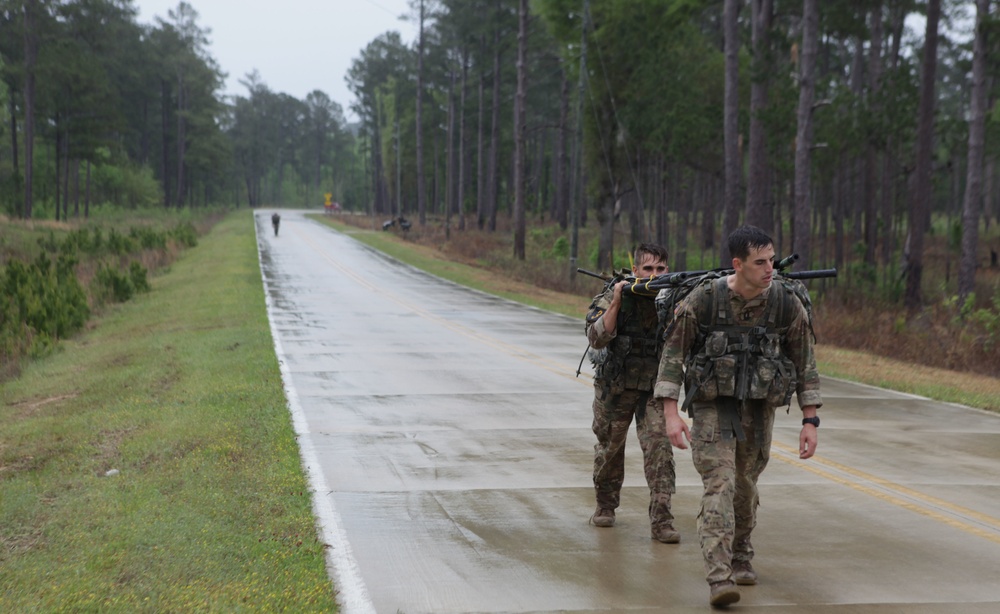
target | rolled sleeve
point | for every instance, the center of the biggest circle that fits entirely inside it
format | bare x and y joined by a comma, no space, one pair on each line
667,390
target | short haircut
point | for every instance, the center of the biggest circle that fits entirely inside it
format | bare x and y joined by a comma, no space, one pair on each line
746,238
658,252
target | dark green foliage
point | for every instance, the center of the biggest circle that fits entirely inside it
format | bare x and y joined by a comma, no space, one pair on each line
112,285
185,235
119,244
148,238
119,286
42,303
137,274
43,300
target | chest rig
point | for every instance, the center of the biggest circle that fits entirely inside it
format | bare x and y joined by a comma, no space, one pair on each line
739,362
631,360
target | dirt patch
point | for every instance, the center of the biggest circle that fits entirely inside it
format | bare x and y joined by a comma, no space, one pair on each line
28,408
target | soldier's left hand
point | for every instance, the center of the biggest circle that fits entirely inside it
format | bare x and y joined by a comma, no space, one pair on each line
807,441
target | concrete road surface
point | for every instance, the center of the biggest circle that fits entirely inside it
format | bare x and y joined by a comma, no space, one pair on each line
449,444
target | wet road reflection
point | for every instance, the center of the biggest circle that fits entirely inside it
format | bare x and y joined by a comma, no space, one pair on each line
450,447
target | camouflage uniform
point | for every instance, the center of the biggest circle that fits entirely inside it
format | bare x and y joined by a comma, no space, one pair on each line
623,387
729,468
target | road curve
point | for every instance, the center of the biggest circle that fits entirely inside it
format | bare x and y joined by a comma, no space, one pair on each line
448,443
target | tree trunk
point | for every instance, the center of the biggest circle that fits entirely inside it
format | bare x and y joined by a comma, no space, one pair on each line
519,129
462,169
30,59
450,171
731,128
803,137
871,154
481,206
86,200
974,178
165,141
493,179
577,195
76,187
560,174
57,146
920,196
758,209
685,203
181,102
421,185
15,167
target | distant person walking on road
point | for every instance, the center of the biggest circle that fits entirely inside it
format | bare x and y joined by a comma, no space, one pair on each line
625,339
275,221
745,316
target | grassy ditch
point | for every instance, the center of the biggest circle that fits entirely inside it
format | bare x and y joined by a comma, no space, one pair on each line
150,463
952,386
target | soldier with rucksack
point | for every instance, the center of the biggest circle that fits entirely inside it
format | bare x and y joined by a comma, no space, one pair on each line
741,344
625,337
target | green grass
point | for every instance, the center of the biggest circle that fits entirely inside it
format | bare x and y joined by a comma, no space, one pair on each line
180,392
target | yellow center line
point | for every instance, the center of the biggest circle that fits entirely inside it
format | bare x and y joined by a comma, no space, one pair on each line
918,502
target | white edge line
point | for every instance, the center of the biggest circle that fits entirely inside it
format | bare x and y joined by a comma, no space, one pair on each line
352,594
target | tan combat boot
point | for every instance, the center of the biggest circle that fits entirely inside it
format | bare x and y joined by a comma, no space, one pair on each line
666,533
723,593
744,574
603,517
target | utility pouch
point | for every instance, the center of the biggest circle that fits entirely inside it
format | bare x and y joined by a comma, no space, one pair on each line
762,378
612,372
640,373
700,380
725,375
770,346
716,344
779,393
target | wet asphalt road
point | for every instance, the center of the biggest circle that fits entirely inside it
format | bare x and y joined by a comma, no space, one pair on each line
449,445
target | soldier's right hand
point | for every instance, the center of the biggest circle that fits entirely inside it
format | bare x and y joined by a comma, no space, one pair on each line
677,429
679,432
619,287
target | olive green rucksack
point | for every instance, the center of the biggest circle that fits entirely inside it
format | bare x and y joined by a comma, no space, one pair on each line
670,296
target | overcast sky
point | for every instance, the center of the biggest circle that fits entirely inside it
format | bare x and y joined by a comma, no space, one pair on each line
297,46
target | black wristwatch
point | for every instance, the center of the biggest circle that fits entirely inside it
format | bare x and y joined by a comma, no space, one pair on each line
813,421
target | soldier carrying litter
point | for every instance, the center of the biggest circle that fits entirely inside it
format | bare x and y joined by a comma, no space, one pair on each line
626,338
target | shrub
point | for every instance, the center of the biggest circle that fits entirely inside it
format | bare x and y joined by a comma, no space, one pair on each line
148,238
120,244
113,286
185,234
47,300
137,273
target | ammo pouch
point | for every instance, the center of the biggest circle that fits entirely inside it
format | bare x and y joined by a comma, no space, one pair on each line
609,369
772,375
630,363
772,379
712,372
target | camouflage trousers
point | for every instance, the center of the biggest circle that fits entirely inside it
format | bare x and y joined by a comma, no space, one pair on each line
729,470
612,417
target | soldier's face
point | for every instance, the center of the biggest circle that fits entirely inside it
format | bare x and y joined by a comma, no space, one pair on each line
649,266
758,269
